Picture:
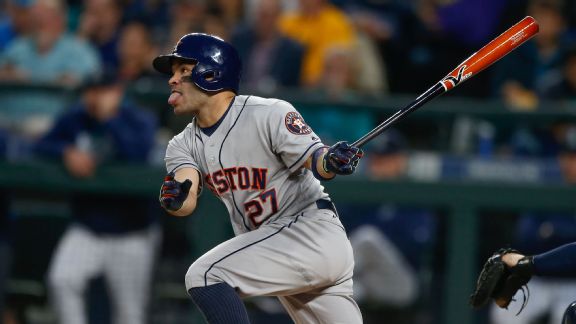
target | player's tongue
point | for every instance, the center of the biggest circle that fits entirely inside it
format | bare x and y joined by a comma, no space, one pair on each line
174,97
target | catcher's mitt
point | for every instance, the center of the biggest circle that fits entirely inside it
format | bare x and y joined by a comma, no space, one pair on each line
499,282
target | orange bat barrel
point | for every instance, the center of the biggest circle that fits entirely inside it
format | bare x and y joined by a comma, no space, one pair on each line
492,52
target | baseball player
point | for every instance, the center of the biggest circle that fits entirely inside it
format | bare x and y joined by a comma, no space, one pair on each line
560,261
262,160
112,235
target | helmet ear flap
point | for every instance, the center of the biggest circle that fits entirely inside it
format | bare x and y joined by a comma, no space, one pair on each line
211,75
207,79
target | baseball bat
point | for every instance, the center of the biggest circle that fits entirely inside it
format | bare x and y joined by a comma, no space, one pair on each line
483,58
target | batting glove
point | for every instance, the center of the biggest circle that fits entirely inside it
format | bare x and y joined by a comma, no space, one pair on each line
342,158
173,193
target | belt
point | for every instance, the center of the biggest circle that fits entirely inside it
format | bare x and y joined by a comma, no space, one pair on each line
326,204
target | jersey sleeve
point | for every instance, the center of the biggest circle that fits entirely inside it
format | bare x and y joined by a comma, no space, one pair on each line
292,139
179,153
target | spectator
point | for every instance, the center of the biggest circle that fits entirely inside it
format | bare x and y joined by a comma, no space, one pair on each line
371,77
112,234
389,158
48,54
199,16
563,88
187,16
152,13
214,22
50,57
378,20
15,21
518,77
422,45
318,25
272,60
338,79
232,11
251,6
377,24
135,50
100,24
338,83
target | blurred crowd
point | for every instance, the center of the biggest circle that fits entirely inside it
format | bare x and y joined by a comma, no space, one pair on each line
69,71
334,50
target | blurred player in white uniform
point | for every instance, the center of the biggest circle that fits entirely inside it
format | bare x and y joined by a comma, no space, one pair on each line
261,159
111,235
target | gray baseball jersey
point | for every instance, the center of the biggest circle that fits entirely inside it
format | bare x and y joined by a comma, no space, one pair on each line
253,160
288,243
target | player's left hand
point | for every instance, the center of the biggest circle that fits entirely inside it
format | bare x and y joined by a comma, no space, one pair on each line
342,158
173,193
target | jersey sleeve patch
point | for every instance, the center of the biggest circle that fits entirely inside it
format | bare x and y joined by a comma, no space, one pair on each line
296,124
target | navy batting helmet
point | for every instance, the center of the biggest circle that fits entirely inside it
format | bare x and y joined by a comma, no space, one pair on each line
218,65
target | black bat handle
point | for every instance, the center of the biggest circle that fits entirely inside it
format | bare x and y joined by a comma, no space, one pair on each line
430,94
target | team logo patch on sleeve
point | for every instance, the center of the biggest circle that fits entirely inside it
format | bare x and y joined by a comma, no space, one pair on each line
296,124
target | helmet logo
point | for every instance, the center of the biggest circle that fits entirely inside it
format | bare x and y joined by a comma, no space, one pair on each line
296,124
217,57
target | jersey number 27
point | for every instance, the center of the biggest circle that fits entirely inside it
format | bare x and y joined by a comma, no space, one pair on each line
261,208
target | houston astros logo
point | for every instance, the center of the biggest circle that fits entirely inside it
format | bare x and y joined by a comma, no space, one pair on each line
296,124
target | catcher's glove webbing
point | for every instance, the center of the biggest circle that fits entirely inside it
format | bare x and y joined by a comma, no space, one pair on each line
499,282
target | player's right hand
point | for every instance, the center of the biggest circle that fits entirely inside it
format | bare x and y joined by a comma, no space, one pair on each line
173,193
342,158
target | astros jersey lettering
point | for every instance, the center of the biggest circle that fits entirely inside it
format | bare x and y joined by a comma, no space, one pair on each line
253,160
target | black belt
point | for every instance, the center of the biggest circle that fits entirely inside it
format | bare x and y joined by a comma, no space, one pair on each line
326,204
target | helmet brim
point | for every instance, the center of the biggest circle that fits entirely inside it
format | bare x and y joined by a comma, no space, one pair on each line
163,63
